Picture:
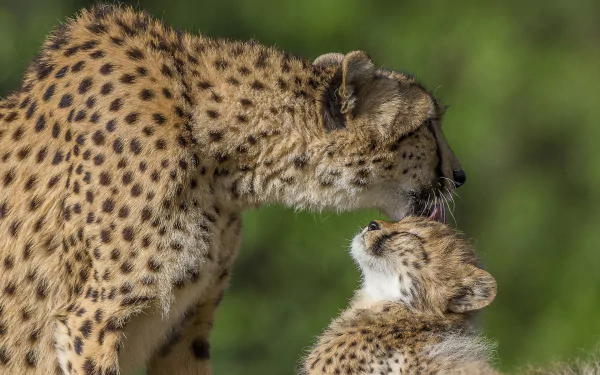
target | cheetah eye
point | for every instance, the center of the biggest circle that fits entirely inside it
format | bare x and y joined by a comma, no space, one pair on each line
373,226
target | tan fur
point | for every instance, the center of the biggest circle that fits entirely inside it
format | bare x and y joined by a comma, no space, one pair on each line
421,321
131,150
589,365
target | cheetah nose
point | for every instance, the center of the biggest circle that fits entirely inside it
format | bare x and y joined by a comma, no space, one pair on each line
459,177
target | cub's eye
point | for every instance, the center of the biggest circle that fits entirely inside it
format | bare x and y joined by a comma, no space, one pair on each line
373,226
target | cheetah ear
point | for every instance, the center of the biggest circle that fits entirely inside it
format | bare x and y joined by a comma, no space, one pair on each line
477,291
357,72
329,59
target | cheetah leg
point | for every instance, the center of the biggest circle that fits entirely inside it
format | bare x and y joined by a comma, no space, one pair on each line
188,350
89,334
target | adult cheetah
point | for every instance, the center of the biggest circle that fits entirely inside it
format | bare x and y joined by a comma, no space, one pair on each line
128,155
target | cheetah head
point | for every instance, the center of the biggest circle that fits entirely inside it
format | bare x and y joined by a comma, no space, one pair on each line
424,264
382,141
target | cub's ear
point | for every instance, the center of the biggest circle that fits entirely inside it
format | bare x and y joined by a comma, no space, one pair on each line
357,72
329,59
477,291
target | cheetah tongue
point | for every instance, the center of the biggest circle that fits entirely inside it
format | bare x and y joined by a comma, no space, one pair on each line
436,214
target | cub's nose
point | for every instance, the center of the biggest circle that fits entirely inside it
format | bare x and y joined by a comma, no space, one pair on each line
459,177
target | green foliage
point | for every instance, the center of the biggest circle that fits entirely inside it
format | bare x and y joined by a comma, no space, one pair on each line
522,78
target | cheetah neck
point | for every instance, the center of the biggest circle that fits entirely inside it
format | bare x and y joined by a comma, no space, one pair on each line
383,287
256,113
249,98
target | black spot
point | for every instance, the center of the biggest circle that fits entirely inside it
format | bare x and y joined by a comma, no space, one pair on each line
127,79
90,102
106,88
233,81
43,70
106,69
97,28
31,110
97,55
40,124
86,329
62,72
256,85
78,345
215,135
131,118
166,71
105,236
95,118
159,118
221,64
66,101
117,41
146,94
201,349
71,51
18,134
108,205
118,146
58,157
116,104
135,54
4,356
85,85
111,125
221,157
216,98
300,161
167,94
179,111
98,138
126,267
141,71
55,130
89,367
80,116
261,61
135,146
244,71
49,93
90,44
11,117
77,67
31,358
98,159
136,190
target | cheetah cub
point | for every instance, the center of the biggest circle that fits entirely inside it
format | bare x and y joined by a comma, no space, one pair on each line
414,311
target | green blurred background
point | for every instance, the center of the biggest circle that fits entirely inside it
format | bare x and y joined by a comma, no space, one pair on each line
523,82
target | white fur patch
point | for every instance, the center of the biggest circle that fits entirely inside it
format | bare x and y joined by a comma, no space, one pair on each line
380,281
61,338
457,349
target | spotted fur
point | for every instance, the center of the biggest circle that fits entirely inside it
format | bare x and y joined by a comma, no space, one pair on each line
413,314
128,155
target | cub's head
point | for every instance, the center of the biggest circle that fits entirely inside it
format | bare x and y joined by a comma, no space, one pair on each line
382,141
424,264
